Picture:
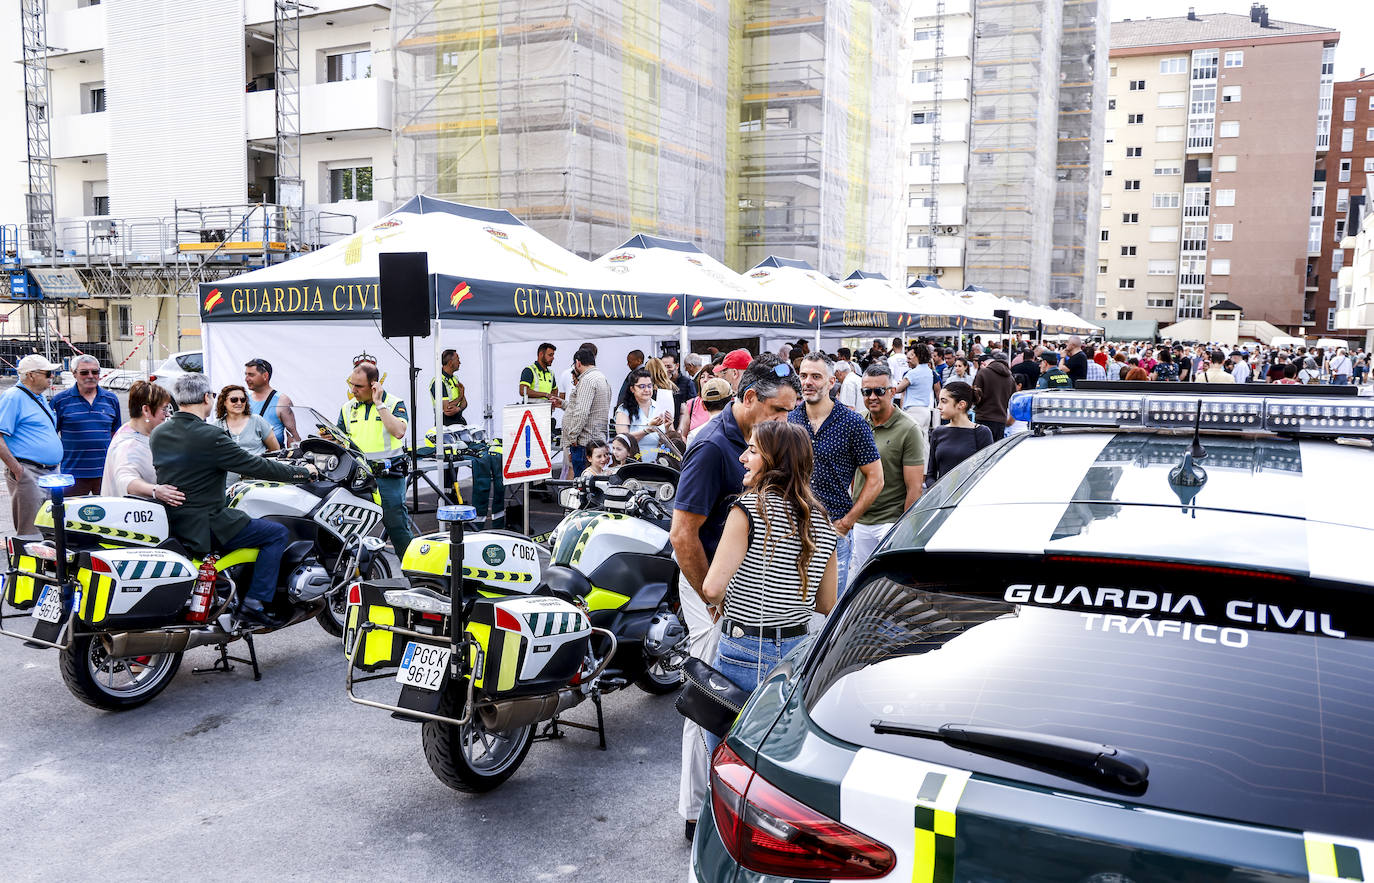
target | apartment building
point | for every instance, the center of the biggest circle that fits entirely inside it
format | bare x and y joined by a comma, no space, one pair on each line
1347,168
1214,125
1007,101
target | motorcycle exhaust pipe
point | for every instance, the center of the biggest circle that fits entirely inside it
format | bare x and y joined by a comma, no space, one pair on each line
122,644
509,714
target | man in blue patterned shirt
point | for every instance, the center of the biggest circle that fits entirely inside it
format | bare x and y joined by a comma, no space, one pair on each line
87,419
843,445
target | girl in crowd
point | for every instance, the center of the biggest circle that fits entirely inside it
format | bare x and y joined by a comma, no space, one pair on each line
961,371
664,387
1164,369
129,460
776,563
624,449
959,439
598,457
641,417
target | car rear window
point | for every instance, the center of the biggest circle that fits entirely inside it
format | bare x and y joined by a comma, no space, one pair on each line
191,362
1267,727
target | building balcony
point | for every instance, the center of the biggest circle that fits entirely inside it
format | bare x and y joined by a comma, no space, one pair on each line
80,134
325,107
951,215
955,89
76,30
259,12
945,256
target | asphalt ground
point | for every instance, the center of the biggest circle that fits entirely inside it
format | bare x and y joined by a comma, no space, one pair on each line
222,778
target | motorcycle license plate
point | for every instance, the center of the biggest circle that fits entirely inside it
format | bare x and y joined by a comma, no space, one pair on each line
423,666
49,606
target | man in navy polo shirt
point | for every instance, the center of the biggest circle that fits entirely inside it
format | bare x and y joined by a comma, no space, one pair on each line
843,445
87,419
29,446
712,476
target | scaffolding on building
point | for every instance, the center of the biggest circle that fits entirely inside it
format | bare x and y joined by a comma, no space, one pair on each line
286,50
938,94
37,110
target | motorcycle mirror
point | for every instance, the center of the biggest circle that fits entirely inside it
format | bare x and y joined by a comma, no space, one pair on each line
568,498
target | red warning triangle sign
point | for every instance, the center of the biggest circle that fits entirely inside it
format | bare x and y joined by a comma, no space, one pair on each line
528,455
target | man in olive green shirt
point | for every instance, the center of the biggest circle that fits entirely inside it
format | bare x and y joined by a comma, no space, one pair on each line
902,451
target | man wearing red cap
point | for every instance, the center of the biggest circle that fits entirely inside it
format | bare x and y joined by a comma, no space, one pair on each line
733,367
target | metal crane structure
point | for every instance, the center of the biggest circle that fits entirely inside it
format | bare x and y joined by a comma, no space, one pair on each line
939,90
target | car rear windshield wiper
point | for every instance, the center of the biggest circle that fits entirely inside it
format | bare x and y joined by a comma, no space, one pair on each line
1102,760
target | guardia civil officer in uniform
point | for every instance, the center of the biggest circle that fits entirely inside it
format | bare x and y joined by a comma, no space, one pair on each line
376,422
447,388
537,380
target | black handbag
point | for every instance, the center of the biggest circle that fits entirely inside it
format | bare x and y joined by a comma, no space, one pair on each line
710,699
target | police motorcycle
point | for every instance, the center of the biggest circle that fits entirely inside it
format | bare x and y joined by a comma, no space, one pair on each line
108,586
523,637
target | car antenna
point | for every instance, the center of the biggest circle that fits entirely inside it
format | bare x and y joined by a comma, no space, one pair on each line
1187,478
1198,451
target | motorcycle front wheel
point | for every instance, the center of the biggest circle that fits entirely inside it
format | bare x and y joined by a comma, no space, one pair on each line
114,684
334,617
472,758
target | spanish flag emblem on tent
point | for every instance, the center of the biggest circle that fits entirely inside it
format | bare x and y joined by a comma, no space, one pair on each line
672,307
697,307
213,299
826,317
812,316
461,292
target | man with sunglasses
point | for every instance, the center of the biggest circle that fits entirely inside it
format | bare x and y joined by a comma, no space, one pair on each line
268,403
87,419
29,445
901,450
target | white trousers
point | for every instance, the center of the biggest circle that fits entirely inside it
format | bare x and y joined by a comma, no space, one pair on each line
703,636
866,539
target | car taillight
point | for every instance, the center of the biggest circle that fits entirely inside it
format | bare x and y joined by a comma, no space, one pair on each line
355,594
768,832
99,566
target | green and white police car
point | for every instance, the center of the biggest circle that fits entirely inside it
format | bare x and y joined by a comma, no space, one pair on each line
1132,644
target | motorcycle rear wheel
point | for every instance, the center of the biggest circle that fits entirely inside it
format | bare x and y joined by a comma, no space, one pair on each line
114,684
334,617
472,758
657,681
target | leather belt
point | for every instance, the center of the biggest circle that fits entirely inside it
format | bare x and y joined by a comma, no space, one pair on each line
734,629
35,465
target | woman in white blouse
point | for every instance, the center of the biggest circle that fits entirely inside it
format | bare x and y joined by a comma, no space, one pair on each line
129,460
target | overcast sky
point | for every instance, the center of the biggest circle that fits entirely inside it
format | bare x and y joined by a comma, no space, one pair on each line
1353,18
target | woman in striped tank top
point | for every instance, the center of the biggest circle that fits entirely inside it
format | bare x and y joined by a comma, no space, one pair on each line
776,561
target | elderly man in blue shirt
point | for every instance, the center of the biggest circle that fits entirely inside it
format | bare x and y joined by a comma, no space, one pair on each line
29,446
87,419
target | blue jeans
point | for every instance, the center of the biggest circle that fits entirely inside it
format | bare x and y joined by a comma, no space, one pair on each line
270,539
391,490
844,545
577,456
746,662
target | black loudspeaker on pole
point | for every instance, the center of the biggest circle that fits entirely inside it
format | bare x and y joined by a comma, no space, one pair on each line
404,294
1005,317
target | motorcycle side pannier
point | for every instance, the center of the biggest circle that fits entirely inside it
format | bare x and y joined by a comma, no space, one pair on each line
133,588
530,644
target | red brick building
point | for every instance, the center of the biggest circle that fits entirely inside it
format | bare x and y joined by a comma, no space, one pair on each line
1347,167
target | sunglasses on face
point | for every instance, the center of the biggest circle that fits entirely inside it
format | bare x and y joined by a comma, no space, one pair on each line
236,400
875,391
95,373
262,365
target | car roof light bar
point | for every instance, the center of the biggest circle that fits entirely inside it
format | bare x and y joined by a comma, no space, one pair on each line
1325,417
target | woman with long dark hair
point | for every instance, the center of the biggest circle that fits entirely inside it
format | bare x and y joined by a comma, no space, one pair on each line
959,439
775,564
641,417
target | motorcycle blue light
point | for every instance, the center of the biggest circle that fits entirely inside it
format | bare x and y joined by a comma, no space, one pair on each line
457,513
1020,408
56,480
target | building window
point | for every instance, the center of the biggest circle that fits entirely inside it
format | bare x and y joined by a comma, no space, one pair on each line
1106,200
1371,102
354,182
989,73
1165,200
1349,114
93,98
1222,232
1337,260
1128,251
1334,290
1130,217
1344,176
1226,197
1172,99
1331,320
1168,167
1131,184
1339,231
1102,269
1125,283
1124,315
1342,200
924,34
1159,302
1164,234
1314,238
1230,94
1111,104
921,158
124,320
1137,85
1107,168
100,205
1102,298
1347,139
354,65
1369,164
1226,164
1111,72
1221,267
924,75
1229,129
924,117
1163,268
1104,235
1235,58
1176,65
1134,151
1133,119
1168,133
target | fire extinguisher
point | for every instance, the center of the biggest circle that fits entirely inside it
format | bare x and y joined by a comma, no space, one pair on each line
204,591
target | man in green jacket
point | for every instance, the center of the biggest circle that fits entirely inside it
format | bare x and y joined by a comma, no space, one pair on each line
194,456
